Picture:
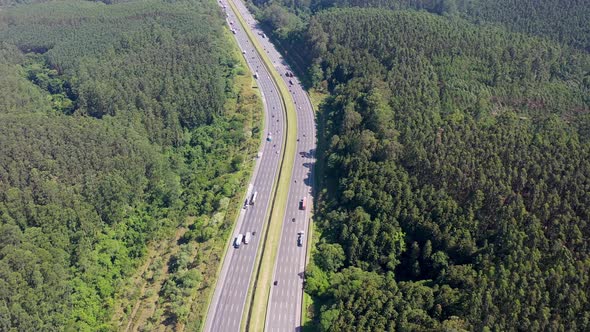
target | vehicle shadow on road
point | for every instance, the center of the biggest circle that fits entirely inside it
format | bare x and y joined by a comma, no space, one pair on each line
307,154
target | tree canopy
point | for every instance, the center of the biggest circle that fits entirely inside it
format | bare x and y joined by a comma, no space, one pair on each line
456,172
562,21
114,128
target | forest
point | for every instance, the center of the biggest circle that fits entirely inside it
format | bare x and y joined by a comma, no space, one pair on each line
454,189
563,21
118,124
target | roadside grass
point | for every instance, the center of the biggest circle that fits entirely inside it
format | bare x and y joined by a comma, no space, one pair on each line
255,311
317,97
306,320
307,299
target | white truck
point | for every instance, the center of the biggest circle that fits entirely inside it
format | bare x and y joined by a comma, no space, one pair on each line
247,237
238,240
253,198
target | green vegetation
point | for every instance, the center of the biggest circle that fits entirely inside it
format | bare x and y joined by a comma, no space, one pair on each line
116,122
563,21
456,174
455,177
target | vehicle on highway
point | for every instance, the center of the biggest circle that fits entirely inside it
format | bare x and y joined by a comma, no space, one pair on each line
293,220
237,273
238,240
300,238
253,198
302,203
291,82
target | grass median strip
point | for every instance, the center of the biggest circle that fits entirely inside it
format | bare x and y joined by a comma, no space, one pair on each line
256,309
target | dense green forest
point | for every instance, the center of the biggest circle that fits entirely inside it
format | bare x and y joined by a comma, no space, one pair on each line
456,177
562,20
12,3
113,129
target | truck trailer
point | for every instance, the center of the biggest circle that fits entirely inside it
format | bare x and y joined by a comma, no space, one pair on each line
253,198
238,240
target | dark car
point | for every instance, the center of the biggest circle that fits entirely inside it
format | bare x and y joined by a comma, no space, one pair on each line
300,238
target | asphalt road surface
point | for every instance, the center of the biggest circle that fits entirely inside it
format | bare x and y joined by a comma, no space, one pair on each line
227,305
284,308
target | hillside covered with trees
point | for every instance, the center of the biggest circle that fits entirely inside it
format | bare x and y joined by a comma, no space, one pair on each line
117,122
456,176
561,20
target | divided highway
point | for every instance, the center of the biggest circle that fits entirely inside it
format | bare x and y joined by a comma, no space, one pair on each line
227,305
286,296
284,307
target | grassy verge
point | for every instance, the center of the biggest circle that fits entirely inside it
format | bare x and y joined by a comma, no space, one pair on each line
256,310
316,98
308,300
